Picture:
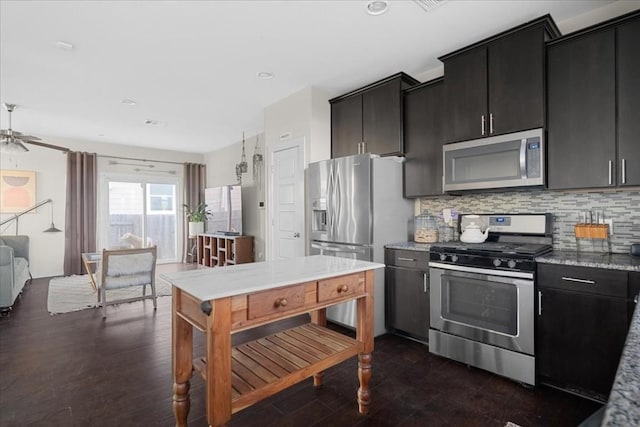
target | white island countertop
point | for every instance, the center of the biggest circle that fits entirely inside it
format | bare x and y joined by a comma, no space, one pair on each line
220,282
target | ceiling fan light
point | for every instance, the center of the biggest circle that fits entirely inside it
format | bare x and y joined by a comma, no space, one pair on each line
11,145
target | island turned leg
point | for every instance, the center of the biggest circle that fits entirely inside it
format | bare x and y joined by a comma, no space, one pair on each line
364,334
319,317
182,340
364,376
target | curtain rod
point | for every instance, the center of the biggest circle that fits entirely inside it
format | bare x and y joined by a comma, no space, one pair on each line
140,160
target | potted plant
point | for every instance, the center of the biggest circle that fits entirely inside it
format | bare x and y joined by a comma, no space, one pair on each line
196,217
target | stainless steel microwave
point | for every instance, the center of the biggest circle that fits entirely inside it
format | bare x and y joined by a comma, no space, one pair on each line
513,160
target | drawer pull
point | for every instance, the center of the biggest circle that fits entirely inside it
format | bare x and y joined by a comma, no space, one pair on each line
343,288
280,302
405,259
572,279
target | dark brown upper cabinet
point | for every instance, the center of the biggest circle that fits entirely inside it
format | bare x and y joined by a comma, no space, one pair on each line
628,67
592,75
497,86
423,139
369,119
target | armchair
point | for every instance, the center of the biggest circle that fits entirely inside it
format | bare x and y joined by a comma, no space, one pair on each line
124,268
14,268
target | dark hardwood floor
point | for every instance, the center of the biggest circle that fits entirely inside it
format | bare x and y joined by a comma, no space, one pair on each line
77,369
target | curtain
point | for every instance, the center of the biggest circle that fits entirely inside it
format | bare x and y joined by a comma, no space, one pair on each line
195,176
81,210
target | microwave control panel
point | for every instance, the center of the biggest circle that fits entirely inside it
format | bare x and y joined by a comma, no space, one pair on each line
534,155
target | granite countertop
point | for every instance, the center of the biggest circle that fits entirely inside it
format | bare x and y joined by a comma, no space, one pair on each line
592,259
220,282
623,407
409,246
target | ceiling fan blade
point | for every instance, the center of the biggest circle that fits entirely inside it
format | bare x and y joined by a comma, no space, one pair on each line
45,145
27,137
18,135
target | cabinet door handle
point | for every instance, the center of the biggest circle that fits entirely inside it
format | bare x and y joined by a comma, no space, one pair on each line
482,123
491,123
424,284
624,171
405,259
539,303
572,279
610,172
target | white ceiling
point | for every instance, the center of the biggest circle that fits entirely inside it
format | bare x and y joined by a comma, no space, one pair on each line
191,65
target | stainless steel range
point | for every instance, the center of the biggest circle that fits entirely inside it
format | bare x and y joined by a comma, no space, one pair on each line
482,294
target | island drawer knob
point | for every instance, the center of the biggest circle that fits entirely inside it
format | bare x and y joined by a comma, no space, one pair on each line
280,302
343,288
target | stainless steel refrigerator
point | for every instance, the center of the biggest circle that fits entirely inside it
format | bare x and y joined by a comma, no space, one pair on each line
355,207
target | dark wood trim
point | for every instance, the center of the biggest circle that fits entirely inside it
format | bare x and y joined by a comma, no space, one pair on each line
405,77
613,22
546,21
422,85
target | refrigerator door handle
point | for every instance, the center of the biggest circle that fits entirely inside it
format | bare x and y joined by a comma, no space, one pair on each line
330,202
338,191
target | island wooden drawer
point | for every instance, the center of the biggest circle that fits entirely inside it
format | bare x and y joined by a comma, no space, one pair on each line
275,301
339,287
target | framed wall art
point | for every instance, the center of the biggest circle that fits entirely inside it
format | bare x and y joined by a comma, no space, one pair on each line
17,190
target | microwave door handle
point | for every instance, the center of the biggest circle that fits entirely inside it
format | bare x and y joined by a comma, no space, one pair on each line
523,158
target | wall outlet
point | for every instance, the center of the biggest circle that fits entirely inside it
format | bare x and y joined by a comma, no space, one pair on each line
610,222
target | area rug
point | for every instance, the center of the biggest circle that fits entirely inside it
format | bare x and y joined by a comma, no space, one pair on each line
74,293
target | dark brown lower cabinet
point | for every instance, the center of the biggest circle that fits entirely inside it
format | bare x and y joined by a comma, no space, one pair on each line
582,325
407,293
634,293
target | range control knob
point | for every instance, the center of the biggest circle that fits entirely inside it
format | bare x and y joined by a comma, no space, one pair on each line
443,257
511,263
454,258
497,262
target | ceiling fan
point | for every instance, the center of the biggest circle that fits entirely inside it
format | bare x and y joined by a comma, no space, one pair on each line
13,142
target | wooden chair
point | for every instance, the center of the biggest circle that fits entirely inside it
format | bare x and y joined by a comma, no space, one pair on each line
125,268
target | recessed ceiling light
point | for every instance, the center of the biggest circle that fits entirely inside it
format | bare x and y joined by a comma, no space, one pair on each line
128,102
62,45
377,7
265,75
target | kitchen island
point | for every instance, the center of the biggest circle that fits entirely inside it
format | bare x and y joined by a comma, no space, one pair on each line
222,301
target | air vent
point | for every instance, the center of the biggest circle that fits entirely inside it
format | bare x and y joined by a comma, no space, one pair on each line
429,5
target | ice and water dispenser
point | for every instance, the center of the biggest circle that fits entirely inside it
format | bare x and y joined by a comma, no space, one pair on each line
319,216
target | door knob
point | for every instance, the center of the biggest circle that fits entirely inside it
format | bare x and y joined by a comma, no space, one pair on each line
296,234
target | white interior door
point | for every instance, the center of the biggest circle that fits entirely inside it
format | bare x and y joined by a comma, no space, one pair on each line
287,200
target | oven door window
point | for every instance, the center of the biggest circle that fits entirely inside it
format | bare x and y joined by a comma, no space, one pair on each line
484,304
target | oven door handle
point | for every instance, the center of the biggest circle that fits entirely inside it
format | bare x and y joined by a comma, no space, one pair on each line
485,271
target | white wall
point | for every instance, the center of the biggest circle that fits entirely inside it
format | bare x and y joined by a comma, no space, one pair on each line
304,114
47,249
221,171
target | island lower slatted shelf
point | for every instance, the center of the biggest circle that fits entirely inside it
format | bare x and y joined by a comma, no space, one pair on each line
267,365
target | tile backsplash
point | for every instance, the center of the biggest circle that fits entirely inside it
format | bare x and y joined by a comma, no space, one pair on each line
623,207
